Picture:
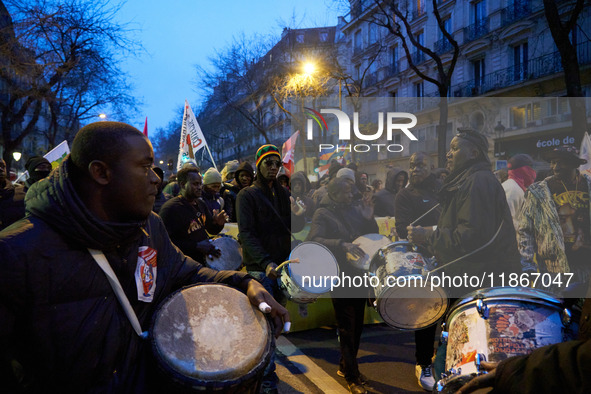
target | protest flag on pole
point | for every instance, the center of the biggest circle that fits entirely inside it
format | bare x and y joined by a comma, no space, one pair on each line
54,156
585,153
288,150
192,138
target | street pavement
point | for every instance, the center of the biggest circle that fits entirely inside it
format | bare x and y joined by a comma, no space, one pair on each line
308,361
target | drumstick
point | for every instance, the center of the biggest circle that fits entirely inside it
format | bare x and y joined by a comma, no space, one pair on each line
423,215
285,263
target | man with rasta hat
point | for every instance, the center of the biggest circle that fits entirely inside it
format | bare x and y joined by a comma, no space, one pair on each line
266,218
554,222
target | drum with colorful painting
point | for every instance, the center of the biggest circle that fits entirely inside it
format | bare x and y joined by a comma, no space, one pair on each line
209,337
405,297
312,277
370,244
231,254
497,323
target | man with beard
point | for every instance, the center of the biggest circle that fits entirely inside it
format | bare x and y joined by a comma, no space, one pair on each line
188,220
475,226
242,178
265,223
411,203
396,180
12,199
554,222
62,328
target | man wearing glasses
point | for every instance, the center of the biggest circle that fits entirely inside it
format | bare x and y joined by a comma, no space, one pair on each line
265,219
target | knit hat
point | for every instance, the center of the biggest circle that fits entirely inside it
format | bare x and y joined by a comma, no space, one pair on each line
565,152
230,168
34,161
520,160
477,139
346,173
212,176
265,151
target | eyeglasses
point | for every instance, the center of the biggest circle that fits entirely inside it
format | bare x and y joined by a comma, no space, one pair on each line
271,163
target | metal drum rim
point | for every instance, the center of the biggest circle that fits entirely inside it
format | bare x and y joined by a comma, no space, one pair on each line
289,272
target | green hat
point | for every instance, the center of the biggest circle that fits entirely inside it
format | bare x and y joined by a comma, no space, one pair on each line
264,151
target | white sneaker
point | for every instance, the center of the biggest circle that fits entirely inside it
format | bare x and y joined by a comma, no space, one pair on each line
425,377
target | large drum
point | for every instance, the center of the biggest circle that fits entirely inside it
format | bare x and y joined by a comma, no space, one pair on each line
497,323
405,298
210,337
370,244
231,257
307,280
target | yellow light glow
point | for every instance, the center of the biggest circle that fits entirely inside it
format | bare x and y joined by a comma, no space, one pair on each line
309,68
103,116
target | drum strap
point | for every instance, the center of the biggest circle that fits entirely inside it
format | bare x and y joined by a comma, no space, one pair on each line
101,260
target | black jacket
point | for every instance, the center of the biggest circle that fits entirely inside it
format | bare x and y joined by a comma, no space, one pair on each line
59,316
384,199
12,204
264,220
187,225
413,202
230,191
473,207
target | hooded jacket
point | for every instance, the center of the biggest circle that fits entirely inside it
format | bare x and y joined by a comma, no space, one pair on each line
229,191
384,198
308,202
473,209
59,316
414,201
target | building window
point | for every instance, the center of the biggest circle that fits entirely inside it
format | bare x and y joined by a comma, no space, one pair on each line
300,38
478,11
419,89
357,41
478,71
323,36
520,62
372,33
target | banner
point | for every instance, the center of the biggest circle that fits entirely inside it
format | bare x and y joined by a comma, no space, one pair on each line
54,156
192,139
586,154
287,150
337,153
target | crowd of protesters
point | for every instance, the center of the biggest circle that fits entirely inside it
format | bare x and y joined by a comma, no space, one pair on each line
97,198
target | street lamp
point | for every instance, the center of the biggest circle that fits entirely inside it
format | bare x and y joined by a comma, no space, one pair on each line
309,68
499,133
16,156
103,116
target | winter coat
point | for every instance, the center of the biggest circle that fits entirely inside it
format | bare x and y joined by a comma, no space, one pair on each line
474,209
230,191
540,233
384,198
515,198
187,225
308,202
12,204
59,316
264,221
414,201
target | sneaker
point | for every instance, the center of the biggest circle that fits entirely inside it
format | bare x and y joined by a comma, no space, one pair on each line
425,377
362,377
268,387
356,388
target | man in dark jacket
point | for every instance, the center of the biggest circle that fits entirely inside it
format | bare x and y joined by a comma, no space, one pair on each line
243,177
188,220
300,185
411,203
12,199
38,168
336,224
475,225
161,197
396,180
265,219
62,329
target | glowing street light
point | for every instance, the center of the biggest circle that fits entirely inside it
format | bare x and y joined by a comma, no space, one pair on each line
16,156
309,68
161,161
103,116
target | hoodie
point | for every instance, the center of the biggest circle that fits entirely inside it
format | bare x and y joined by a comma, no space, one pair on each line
384,199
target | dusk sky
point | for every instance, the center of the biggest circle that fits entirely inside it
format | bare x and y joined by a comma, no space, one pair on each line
179,34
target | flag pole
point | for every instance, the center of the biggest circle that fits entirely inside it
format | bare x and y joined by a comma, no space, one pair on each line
210,156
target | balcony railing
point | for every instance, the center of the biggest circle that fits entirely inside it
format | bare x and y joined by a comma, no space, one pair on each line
476,30
417,57
515,12
390,71
370,79
442,46
535,68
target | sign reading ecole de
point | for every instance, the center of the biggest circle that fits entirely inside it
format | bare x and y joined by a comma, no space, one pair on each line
391,119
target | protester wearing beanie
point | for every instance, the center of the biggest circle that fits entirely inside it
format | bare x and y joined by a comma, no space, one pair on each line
212,183
38,168
265,221
521,176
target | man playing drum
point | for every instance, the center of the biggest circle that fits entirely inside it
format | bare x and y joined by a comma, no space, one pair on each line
62,328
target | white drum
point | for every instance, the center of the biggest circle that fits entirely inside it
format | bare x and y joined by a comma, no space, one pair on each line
231,257
307,280
370,244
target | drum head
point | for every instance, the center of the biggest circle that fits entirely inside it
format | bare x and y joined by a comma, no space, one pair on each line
316,262
412,307
231,257
370,244
210,333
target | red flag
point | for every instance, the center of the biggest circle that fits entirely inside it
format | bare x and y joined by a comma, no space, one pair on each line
287,150
146,127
